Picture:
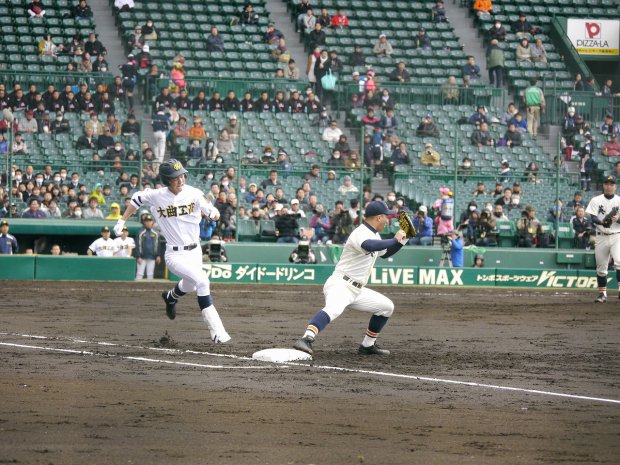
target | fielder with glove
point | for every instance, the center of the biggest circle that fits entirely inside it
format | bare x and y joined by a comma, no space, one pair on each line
603,210
179,209
346,287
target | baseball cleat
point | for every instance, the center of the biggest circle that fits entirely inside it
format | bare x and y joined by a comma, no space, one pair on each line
171,306
221,337
372,350
304,344
601,299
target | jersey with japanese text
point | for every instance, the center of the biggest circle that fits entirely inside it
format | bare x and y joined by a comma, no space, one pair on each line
599,206
123,246
104,247
178,216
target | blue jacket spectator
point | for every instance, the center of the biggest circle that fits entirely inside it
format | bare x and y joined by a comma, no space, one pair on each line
424,228
456,251
400,155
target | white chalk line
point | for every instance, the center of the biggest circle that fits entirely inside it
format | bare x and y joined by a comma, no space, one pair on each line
304,365
139,359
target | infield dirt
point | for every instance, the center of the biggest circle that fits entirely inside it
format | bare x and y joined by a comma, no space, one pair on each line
108,407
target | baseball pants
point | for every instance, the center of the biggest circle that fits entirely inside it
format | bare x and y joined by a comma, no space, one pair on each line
187,264
606,246
159,147
340,295
147,265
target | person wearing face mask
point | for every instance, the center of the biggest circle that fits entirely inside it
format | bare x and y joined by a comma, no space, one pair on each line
336,160
497,31
471,207
515,202
423,225
116,151
60,125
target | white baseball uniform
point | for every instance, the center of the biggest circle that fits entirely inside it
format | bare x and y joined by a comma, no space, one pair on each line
607,241
345,288
123,246
178,217
104,247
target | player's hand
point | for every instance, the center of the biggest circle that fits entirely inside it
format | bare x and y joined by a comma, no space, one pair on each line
118,228
614,219
214,215
400,235
158,260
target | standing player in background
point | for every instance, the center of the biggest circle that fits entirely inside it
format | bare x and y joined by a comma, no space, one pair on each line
147,249
124,244
8,243
104,246
604,213
346,287
179,209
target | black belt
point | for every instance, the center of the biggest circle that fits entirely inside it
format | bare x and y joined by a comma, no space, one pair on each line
353,283
184,247
600,233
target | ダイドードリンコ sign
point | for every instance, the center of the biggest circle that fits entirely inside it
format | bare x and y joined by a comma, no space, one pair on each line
599,37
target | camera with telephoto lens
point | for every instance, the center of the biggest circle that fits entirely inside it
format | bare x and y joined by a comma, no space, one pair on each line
445,243
303,251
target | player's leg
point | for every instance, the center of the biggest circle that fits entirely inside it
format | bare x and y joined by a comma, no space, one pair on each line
180,266
615,254
203,290
150,268
140,269
381,308
601,254
338,294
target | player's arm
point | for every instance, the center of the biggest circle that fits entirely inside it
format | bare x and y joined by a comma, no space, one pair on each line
391,246
207,208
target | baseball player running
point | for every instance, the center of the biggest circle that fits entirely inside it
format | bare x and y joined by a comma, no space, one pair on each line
178,209
346,287
603,210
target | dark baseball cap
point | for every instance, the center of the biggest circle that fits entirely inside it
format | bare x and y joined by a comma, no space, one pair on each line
105,229
378,207
4,223
609,180
148,218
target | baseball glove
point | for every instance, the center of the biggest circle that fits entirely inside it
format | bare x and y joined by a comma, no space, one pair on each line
607,220
405,223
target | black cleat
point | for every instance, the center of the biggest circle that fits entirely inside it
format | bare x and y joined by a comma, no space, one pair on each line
372,350
601,299
304,344
171,305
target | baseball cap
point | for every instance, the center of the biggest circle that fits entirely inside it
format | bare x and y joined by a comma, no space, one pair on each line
381,35
609,180
233,117
378,207
295,202
423,208
148,218
530,208
105,229
428,144
124,228
4,223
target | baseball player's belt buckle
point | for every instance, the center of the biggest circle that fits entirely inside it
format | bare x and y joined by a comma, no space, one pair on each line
353,283
184,247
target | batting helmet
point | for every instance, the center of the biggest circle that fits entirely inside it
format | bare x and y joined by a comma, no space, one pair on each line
170,169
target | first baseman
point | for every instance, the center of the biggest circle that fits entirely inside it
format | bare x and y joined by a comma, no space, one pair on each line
604,213
346,287
179,209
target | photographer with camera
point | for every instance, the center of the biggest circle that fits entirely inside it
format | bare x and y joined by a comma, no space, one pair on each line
486,230
303,253
528,228
583,229
423,226
214,251
287,226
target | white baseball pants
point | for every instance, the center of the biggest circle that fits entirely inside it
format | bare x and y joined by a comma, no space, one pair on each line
604,247
148,265
340,295
187,264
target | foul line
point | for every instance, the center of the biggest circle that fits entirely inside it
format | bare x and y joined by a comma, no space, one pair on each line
283,365
138,359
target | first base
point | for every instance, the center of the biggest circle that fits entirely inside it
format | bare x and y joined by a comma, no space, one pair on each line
281,355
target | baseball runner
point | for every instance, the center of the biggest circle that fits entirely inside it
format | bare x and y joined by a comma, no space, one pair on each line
178,209
124,244
603,210
104,246
346,287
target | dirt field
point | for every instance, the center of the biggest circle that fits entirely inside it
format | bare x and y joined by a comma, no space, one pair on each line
84,379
